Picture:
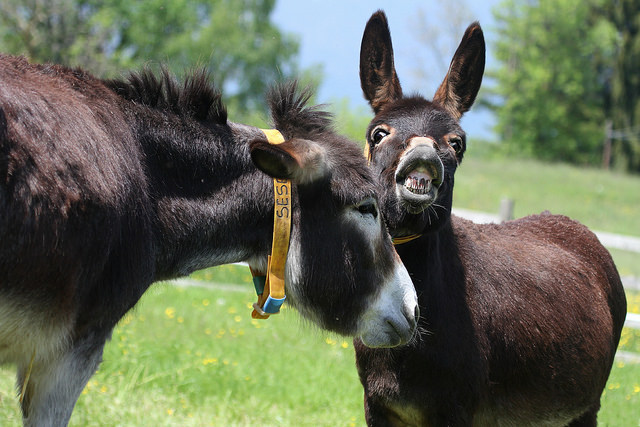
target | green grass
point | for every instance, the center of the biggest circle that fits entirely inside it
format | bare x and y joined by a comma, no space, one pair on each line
621,399
602,200
194,357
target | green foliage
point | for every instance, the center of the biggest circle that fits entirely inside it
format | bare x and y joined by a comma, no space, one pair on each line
551,78
57,31
625,85
234,39
351,121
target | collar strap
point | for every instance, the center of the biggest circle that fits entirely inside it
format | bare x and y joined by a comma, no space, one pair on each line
270,288
396,240
367,152
405,239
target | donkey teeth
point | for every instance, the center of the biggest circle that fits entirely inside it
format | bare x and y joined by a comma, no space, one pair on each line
418,183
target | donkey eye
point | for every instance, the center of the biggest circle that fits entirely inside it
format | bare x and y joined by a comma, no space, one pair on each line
378,135
456,144
368,207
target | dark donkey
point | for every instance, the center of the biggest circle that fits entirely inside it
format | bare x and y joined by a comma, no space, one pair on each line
519,321
108,186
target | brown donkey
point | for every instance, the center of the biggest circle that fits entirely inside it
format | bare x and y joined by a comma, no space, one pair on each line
108,186
519,321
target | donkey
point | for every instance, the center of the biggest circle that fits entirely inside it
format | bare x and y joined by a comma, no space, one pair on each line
109,185
519,321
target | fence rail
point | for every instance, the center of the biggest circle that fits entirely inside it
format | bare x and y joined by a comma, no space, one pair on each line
632,321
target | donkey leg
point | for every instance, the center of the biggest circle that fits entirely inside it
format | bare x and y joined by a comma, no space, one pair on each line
54,384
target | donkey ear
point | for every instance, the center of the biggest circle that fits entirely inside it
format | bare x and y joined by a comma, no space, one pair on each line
378,76
299,160
461,84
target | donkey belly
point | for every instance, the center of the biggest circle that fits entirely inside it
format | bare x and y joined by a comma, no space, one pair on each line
500,417
548,380
505,411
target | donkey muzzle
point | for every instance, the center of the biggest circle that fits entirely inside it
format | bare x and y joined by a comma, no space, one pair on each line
393,317
419,175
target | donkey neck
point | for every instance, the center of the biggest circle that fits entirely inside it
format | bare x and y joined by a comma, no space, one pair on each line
433,261
212,205
434,264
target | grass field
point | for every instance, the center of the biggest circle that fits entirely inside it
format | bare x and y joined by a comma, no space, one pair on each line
194,357
602,200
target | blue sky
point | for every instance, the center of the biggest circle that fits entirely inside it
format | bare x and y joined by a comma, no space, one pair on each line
330,33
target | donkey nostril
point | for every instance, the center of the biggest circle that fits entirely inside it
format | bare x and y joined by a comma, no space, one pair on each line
416,313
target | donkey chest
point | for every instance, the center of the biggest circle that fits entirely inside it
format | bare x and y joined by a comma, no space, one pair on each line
402,392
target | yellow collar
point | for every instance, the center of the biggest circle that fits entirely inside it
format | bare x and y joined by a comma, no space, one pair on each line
270,288
367,152
405,239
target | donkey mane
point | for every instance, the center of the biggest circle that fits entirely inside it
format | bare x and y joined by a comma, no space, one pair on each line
292,116
196,97
199,99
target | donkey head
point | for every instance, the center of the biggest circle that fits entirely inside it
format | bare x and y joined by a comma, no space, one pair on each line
342,271
415,145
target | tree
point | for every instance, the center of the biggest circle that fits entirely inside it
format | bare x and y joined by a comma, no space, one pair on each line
47,30
625,82
439,31
234,39
552,77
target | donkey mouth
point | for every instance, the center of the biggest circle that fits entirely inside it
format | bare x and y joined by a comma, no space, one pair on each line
417,185
419,181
